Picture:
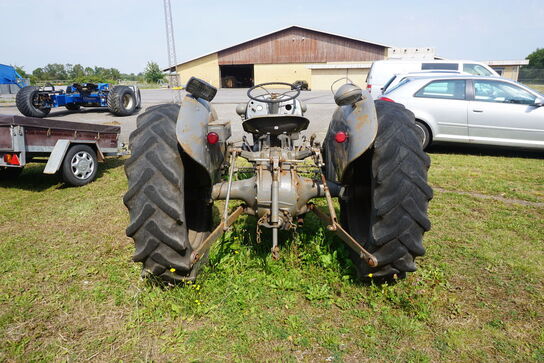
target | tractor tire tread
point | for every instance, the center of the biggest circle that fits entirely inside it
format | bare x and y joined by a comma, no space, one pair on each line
155,197
401,194
23,101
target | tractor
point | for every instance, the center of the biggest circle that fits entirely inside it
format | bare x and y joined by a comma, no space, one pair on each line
182,161
35,101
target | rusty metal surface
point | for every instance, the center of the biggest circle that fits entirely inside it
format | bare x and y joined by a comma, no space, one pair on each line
46,132
49,137
191,130
5,138
57,124
360,123
216,233
366,256
297,45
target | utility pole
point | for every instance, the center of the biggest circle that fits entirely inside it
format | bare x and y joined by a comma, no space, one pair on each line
171,45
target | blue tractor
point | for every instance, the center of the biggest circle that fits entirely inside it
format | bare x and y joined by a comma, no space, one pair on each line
35,101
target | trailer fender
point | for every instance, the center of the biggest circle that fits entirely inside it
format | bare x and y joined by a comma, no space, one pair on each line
59,151
195,120
359,125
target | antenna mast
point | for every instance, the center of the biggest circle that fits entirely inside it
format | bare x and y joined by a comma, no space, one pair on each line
171,45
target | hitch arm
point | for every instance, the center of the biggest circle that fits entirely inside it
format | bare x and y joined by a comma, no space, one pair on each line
216,233
334,226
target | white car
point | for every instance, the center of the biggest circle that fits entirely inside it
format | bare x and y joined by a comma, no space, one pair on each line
397,78
471,109
381,71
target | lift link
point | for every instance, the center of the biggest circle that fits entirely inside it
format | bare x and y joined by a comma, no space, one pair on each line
366,256
216,233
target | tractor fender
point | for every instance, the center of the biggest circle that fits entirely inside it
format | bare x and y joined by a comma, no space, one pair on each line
360,123
194,120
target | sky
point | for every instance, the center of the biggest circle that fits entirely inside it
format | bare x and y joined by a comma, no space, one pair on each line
127,34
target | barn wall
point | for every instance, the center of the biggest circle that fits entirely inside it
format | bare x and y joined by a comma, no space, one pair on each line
301,46
206,68
322,79
281,73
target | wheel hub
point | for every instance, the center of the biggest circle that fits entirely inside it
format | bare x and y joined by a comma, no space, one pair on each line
82,165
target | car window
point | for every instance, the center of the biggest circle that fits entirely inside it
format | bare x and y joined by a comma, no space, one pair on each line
448,66
476,69
501,92
449,88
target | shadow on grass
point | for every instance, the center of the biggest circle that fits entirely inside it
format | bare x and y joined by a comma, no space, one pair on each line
60,112
33,179
308,243
485,150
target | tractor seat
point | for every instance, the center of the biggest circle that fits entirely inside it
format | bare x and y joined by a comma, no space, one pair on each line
275,125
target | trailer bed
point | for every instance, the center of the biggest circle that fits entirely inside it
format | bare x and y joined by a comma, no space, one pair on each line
41,135
71,148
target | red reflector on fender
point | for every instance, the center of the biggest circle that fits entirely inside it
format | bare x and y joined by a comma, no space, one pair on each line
386,99
340,137
213,138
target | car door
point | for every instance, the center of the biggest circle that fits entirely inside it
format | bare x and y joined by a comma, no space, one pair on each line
502,113
442,104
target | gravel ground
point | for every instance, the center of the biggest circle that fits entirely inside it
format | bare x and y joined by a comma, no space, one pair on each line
320,109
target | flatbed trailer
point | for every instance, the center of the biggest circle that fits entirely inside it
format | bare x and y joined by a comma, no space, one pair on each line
72,149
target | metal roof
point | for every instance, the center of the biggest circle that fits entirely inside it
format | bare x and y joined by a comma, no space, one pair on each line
278,31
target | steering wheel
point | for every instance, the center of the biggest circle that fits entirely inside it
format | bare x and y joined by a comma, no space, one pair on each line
274,97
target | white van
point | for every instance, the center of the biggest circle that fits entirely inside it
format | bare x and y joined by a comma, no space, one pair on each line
382,71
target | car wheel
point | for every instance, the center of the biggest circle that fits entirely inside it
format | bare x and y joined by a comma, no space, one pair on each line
423,134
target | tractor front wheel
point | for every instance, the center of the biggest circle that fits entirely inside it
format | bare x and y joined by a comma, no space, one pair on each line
385,203
170,213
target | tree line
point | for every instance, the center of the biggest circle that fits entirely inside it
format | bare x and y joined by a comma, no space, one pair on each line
81,74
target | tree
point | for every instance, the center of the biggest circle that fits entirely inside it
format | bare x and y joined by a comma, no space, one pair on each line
536,58
55,71
77,71
21,72
153,73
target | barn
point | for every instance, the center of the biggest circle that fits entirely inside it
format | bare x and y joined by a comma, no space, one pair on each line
287,55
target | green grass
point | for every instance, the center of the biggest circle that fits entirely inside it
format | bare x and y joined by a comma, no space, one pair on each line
69,291
537,87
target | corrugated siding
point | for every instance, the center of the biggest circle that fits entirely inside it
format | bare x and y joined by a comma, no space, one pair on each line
301,46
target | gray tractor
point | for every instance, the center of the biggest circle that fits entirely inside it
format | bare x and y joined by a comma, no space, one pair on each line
182,161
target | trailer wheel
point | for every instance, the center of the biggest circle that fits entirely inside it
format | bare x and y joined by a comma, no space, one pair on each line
122,101
386,199
170,215
10,173
79,166
72,107
27,101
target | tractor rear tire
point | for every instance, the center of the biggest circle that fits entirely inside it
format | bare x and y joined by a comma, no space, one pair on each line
170,216
122,101
386,199
72,107
25,102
